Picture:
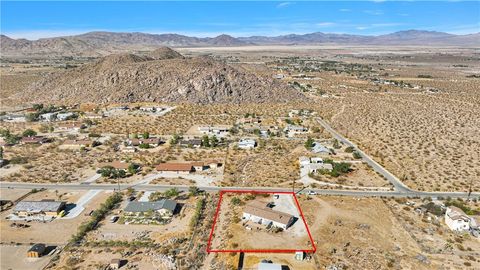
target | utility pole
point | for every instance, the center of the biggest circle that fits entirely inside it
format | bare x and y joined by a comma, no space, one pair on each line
470,189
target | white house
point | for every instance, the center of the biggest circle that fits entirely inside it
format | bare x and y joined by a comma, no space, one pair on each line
317,167
247,144
292,130
64,116
320,149
304,161
456,219
259,213
316,160
219,131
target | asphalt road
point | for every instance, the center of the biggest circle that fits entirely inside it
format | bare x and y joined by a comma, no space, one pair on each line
142,187
398,185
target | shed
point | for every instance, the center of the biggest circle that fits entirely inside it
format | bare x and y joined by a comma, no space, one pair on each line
36,251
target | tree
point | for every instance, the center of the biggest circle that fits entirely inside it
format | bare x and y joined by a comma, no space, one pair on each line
336,144
175,139
173,192
356,155
132,168
349,149
37,107
309,143
214,141
193,191
29,133
205,141
144,146
32,117
146,135
235,201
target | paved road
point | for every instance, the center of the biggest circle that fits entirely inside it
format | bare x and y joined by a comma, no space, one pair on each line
358,193
399,186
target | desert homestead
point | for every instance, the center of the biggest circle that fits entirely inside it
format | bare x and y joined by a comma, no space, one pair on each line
293,130
458,221
247,144
34,140
176,167
49,209
259,213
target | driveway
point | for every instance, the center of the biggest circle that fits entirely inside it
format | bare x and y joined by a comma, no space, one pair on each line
79,205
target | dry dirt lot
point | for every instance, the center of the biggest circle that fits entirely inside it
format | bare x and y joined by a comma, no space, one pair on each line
42,232
130,232
231,233
13,257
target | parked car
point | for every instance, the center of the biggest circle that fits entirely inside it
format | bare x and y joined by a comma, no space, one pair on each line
113,219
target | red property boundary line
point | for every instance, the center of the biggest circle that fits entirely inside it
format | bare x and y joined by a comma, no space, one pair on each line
312,250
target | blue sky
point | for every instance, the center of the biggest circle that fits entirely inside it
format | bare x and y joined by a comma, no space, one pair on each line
33,20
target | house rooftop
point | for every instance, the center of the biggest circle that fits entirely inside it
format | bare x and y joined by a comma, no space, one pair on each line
38,206
114,164
259,209
151,206
175,166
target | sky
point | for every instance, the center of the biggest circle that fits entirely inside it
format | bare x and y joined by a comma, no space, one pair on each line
39,19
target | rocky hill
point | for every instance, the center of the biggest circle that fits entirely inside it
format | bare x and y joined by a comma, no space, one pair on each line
130,78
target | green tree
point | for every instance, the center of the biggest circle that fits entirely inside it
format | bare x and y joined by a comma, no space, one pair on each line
336,144
132,168
29,132
193,191
146,135
309,143
205,141
214,141
173,192
356,155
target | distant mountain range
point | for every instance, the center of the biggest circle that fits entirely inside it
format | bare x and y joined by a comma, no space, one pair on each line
103,43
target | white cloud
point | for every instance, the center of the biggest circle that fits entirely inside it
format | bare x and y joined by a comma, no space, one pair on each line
325,24
374,12
345,10
284,4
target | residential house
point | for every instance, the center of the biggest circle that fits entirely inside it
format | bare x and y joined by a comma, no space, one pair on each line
198,166
304,161
77,143
65,116
34,140
115,264
90,115
456,219
247,144
71,126
191,143
38,208
176,167
317,167
164,208
213,163
316,160
48,117
219,131
152,142
259,213
320,149
36,251
270,266
293,130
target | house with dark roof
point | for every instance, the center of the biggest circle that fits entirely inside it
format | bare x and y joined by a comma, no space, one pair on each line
163,208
